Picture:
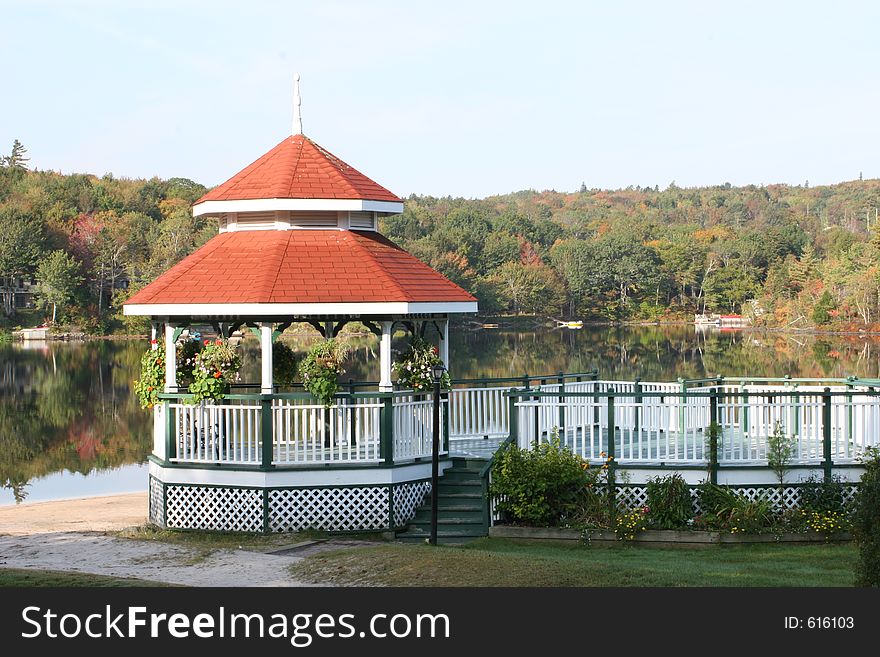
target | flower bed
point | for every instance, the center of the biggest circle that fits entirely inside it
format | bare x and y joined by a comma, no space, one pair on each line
548,486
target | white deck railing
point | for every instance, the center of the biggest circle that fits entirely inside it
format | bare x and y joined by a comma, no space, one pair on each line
227,433
305,432
653,422
659,422
478,413
413,427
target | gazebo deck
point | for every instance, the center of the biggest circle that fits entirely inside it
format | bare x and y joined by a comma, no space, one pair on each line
653,423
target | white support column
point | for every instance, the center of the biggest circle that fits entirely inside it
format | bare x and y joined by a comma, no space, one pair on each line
159,424
385,384
444,342
170,359
266,330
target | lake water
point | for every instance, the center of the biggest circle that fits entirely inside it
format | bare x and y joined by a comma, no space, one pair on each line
71,427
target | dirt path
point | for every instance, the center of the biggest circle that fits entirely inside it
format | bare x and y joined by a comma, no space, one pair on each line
65,535
161,562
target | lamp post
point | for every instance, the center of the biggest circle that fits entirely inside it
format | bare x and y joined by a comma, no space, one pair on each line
437,371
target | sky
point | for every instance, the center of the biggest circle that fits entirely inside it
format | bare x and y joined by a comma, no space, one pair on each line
450,99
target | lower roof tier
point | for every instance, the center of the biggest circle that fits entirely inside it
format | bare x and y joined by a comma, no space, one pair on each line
300,272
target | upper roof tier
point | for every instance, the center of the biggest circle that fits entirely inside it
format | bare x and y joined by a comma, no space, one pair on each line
298,175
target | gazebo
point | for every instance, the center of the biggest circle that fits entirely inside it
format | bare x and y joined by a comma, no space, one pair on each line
298,242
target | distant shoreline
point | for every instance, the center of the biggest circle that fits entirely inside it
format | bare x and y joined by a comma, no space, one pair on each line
530,322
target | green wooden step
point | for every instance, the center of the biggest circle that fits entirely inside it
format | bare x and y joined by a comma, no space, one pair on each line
459,487
470,495
452,506
463,469
447,516
461,507
464,462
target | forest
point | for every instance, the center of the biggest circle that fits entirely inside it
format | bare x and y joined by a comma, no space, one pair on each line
797,256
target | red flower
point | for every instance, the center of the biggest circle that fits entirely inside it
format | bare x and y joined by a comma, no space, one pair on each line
154,341
217,374
218,341
207,342
433,350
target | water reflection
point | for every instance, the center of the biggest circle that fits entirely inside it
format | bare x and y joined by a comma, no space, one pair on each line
69,406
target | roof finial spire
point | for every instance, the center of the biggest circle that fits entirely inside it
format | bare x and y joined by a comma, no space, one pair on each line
297,112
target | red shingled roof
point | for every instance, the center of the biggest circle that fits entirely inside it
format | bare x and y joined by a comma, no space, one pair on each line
299,168
300,266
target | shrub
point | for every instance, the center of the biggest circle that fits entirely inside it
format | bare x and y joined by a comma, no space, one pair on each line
669,502
594,508
749,516
816,494
866,522
538,486
283,364
714,498
725,510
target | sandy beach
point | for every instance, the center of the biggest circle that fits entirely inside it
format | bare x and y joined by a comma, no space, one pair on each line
71,535
88,514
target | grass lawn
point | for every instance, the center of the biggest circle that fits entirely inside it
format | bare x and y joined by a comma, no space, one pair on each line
500,562
34,578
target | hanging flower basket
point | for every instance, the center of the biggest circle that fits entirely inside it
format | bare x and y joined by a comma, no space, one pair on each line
215,370
152,379
415,367
320,370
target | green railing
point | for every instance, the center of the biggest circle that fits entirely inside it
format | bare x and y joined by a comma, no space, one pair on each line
293,429
826,427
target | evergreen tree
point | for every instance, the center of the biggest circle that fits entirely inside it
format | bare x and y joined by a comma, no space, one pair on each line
821,311
803,269
17,159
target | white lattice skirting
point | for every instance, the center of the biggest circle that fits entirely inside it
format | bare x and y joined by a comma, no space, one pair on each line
407,498
336,508
157,499
631,497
